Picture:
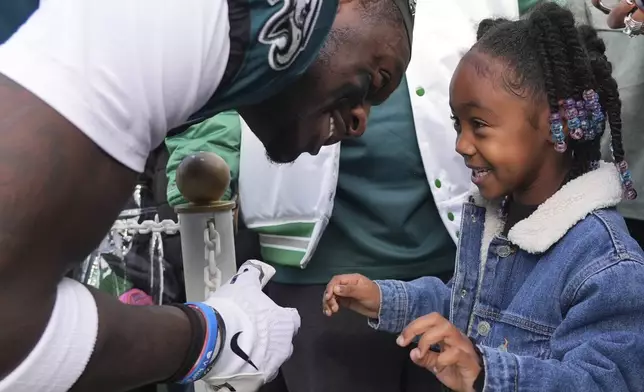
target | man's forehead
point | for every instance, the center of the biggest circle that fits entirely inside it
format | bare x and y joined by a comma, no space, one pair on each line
408,10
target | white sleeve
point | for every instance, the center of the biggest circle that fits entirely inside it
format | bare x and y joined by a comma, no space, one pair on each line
123,71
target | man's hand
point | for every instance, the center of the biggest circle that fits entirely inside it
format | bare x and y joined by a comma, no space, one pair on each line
457,364
259,334
617,14
354,292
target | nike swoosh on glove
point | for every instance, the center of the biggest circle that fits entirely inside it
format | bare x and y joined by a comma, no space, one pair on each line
259,334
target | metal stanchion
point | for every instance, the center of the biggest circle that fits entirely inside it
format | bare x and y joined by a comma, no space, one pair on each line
206,227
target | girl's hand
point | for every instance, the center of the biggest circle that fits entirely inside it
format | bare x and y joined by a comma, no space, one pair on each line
352,291
457,365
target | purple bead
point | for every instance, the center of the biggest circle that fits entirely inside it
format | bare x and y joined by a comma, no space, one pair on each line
571,113
560,146
577,134
582,113
580,105
622,166
588,94
631,194
569,103
555,117
598,116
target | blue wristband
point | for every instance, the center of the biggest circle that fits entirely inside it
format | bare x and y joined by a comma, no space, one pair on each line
208,355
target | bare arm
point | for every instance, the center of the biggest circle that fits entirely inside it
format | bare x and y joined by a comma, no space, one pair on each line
59,194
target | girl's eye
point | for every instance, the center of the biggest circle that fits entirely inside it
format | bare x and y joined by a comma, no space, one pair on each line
478,124
456,122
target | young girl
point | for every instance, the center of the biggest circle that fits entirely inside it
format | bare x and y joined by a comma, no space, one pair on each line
548,291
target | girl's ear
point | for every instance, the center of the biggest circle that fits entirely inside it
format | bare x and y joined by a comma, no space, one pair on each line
542,114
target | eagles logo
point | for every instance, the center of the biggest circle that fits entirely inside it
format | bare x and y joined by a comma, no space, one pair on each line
229,388
412,7
289,30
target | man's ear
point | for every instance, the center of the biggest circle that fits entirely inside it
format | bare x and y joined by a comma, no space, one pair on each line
352,3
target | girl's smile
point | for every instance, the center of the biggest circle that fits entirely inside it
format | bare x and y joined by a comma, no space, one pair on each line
479,175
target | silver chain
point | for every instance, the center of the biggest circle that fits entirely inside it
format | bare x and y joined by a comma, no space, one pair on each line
212,274
157,257
167,226
212,248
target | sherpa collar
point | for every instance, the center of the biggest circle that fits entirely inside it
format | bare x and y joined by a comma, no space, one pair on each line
597,189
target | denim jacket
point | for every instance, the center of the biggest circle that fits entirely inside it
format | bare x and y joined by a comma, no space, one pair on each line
558,305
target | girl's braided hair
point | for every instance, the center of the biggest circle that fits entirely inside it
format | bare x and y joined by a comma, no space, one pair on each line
547,54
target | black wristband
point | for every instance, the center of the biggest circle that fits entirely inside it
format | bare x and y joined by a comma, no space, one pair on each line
479,383
197,338
221,336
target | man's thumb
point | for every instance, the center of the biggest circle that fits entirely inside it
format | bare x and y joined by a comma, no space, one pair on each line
253,272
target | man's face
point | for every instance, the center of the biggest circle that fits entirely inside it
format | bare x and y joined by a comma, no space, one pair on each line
360,65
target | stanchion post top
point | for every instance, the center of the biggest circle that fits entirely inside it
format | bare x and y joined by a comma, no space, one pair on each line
202,178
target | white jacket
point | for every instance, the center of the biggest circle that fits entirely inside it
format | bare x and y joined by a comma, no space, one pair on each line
290,205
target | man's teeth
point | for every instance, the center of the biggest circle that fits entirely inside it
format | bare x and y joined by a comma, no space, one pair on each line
331,128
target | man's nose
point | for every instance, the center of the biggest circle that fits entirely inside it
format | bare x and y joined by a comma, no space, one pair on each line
359,116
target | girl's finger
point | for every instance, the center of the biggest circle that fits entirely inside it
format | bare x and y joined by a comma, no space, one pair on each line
328,293
427,361
449,357
325,309
334,304
329,304
336,280
434,336
418,327
348,290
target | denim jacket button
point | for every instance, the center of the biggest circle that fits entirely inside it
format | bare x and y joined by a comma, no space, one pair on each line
483,328
463,293
504,251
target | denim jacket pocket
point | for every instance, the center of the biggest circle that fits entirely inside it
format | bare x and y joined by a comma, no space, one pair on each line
513,333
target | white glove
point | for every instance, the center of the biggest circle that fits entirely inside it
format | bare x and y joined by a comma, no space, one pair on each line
259,334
